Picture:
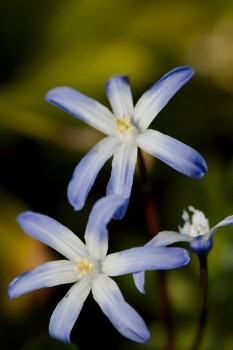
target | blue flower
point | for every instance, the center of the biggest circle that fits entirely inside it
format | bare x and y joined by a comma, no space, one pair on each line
126,129
88,267
196,228
196,231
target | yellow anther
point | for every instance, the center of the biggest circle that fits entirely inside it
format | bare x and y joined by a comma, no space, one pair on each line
123,124
84,265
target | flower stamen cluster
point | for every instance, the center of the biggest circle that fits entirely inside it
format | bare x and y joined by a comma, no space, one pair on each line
84,266
194,225
123,124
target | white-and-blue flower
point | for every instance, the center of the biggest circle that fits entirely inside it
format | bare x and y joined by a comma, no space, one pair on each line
88,267
126,129
196,232
196,228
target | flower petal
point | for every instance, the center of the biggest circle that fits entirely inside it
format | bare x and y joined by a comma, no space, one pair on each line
50,274
82,107
227,221
144,258
123,317
120,96
96,235
121,180
153,100
139,280
68,310
52,233
173,152
162,239
87,170
201,245
165,238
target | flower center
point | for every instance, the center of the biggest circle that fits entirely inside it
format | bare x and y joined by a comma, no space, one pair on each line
123,124
84,266
196,230
196,225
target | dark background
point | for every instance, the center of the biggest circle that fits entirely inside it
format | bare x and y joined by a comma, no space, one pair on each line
81,44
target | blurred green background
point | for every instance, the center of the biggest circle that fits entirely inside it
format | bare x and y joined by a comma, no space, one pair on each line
80,44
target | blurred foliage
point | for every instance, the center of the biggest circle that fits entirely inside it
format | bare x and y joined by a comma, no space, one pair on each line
81,44
46,343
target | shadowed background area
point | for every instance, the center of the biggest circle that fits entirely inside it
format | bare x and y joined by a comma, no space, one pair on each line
81,44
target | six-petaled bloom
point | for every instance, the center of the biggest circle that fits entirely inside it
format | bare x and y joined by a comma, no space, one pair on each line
126,129
89,267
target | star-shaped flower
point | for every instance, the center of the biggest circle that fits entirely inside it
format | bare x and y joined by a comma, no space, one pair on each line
89,267
196,231
126,129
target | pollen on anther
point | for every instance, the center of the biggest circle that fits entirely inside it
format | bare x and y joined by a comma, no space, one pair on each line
123,124
84,265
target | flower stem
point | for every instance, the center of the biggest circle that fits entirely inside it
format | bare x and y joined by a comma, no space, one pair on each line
203,309
150,210
153,227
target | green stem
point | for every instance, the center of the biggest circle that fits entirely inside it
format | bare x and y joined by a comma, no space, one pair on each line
153,227
204,305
